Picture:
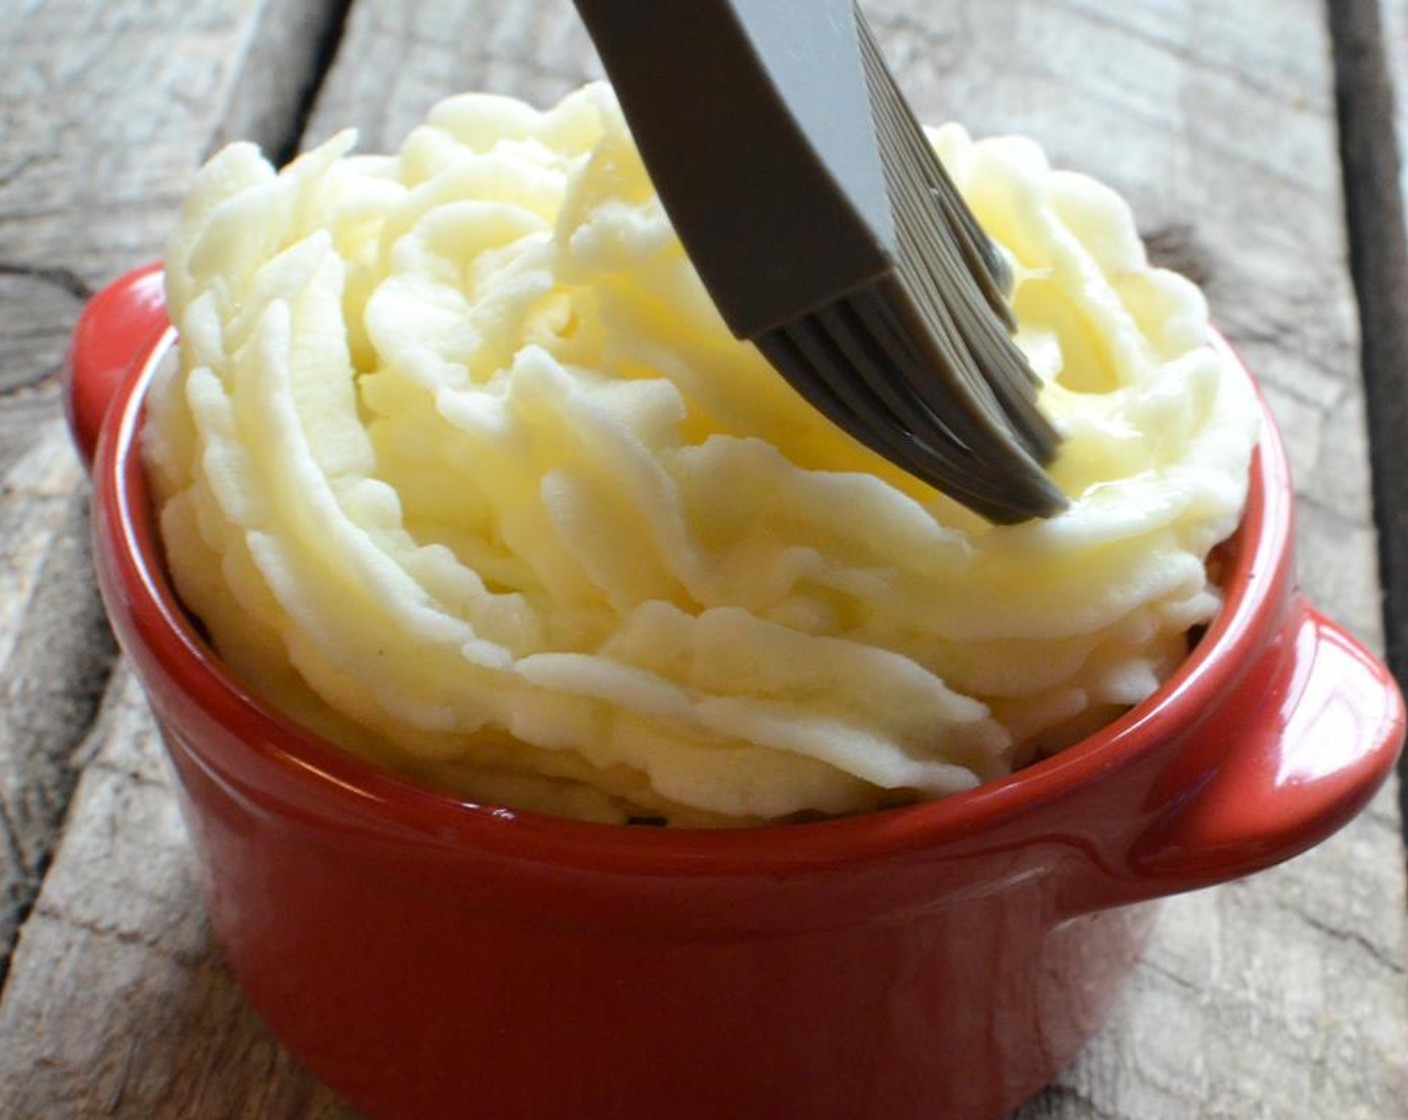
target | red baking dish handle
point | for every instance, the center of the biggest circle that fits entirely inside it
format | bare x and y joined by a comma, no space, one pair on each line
1300,746
117,330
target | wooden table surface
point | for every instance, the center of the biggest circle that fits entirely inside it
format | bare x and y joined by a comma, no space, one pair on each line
1255,141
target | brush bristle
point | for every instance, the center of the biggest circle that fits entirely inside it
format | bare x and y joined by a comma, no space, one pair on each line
918,362
825,229
945,316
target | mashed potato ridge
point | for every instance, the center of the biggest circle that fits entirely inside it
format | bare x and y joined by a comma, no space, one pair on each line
461,468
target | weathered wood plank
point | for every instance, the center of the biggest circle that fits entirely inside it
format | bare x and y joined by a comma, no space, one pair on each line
118,1004
105,113
1279,997
291,46
106,107
397,60
37,306
1371,51
57,652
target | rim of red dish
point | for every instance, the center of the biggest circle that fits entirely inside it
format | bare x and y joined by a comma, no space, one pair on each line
427,815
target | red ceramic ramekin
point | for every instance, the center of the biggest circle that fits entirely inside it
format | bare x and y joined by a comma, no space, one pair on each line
433,958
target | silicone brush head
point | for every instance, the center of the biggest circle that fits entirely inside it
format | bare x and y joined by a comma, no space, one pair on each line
826,230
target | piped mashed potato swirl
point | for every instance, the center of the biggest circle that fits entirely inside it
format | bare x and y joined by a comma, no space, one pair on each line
461,469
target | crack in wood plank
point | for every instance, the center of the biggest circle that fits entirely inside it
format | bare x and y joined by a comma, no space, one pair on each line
55,674
1177,246
1057,1101
289,53
128,774
37,308
1150,964
119,1090
60,277
326,39
194,962
20,166
1378,256
1349,936
12,889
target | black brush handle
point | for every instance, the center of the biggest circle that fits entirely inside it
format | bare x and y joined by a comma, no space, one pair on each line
753,119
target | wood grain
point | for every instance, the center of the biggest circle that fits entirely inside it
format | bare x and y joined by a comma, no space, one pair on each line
118,1003
57,651
1371,52
105,112
1279,997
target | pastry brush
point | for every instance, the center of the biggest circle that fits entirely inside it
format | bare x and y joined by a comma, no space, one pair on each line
826,230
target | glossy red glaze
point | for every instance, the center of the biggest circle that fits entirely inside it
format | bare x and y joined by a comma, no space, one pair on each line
432,958
118,328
